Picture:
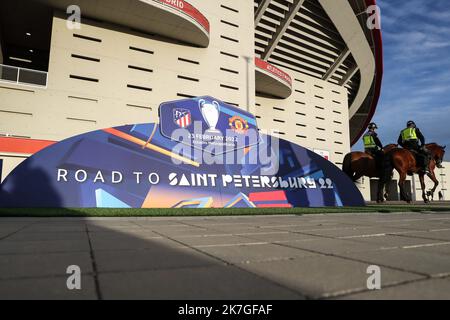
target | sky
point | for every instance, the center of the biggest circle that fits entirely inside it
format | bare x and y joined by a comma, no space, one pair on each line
416,81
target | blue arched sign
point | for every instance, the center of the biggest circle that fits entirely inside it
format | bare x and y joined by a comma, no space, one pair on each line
203,153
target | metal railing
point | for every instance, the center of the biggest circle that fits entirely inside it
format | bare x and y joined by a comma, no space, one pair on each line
23,76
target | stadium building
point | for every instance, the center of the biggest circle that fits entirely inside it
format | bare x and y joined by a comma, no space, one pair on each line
310,70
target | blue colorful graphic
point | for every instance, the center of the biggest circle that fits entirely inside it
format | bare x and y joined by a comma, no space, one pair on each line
135,166
217,127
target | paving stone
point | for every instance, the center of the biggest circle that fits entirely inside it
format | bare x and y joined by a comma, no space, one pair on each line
186,284
211,241
255,253
127,242
406,259
333,246
431,289
395,241
322,276
46,289
47,236
34,247
151,259
42,265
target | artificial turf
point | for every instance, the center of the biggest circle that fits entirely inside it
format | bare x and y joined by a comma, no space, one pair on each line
97,212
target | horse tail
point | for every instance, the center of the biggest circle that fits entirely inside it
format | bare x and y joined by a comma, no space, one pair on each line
388,168
347,165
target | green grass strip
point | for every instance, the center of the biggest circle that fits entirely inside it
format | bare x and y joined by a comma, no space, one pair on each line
96,212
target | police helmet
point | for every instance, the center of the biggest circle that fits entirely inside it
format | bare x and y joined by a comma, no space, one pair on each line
410,124
373,126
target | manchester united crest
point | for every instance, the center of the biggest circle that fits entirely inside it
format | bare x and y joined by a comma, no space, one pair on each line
238,124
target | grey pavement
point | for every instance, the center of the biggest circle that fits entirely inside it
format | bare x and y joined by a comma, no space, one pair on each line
241,257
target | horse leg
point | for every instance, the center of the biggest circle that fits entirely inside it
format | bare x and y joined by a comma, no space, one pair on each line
432,176
422,185
380,196
401,184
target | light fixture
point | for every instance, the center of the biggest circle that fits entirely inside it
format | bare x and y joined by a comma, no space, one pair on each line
28,34
20,59
31,50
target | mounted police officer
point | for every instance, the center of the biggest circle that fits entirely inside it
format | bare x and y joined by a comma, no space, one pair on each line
372,145
409,139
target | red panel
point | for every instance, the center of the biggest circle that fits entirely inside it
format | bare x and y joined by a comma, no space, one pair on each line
188,9
268,196
378,41
274,205
26,146
273,70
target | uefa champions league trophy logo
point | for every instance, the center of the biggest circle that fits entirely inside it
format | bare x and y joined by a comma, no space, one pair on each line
210,112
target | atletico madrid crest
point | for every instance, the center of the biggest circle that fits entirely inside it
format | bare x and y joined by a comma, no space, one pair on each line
182,117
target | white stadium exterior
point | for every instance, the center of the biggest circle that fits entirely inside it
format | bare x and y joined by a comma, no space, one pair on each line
310,70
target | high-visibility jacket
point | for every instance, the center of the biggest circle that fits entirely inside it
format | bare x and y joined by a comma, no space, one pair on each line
409,134
369,141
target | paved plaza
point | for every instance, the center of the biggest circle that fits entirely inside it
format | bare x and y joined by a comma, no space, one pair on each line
248,257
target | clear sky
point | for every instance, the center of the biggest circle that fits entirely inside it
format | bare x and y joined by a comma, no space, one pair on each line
416,83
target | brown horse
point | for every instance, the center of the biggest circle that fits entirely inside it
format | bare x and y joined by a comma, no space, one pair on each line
405,163
359,164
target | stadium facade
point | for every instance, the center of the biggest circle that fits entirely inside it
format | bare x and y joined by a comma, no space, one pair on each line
310,70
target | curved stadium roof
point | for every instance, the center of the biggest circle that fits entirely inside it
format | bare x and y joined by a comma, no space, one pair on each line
328,40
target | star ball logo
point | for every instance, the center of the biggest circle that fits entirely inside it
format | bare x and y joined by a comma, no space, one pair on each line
238,124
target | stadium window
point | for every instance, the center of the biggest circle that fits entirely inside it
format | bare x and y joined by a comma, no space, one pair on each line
320,139
229,87
320,129
229,54
229,23
300,114
337,122
77,56
320,118
319,97
337,142
301,125
138,106
141,50
299,91
82,98
278,120
300,136
139,87
232,103
140,68
298,80
318,86
337,92
188,78
300,102
79,36
188,61
337,102
278,109
337,112
321,108
81,120
183,95
83,78
229,70
229,8
229,39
